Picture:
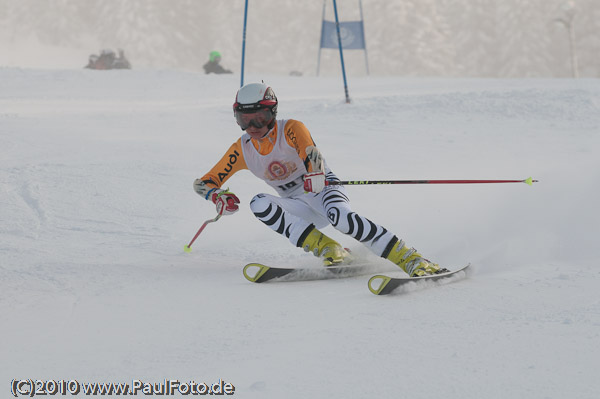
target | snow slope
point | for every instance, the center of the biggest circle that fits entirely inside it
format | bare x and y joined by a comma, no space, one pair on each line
96,204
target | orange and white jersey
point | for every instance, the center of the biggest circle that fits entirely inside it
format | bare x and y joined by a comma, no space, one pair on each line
280,158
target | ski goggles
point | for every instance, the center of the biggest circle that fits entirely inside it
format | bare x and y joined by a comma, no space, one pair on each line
258,119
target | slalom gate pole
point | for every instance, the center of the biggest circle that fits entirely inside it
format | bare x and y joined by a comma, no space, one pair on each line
528,181
244,43
188,248
337,28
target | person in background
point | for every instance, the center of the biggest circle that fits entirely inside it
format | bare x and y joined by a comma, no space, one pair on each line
108,60
282,153
213,65
121,62
92,61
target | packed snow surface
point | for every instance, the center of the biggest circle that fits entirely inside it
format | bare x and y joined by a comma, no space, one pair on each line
96,205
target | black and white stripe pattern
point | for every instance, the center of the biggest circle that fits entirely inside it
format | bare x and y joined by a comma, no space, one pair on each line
273,216
292,217
340,215
271,211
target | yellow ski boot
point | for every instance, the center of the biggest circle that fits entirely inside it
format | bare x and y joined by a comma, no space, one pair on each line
411,261
322,246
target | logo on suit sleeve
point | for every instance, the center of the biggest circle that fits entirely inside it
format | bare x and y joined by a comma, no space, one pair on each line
233,158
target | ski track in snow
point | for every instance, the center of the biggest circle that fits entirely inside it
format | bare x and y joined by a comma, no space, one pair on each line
97,203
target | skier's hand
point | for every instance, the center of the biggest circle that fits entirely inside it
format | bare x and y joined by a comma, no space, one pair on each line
202,188
226,202
314,182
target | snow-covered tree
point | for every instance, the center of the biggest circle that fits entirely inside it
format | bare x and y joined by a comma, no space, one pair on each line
523,42
475,35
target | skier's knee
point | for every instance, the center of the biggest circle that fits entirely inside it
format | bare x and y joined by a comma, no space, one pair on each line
259,203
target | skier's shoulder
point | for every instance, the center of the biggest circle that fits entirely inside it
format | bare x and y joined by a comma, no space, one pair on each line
292,124
237,145
294,127
233,156
296,133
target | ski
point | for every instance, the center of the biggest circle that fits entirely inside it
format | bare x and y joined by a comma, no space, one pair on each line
259,273
383,285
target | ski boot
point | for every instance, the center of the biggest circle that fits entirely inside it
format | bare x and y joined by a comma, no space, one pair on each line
412,262
322,246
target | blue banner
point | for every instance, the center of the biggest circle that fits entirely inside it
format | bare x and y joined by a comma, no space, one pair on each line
351,33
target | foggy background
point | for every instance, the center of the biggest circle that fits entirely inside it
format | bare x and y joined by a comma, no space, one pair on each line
451,38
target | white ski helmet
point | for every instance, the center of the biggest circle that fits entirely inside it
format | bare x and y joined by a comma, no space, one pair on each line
252,98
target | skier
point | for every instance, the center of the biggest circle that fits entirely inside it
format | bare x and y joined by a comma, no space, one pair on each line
213,66
284,155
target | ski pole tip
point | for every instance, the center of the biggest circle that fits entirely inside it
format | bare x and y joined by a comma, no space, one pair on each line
530,181
187,249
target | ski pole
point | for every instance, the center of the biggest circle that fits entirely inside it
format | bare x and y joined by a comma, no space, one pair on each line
529,181
188,248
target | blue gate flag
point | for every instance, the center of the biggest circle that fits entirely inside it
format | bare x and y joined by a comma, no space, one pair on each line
351,33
